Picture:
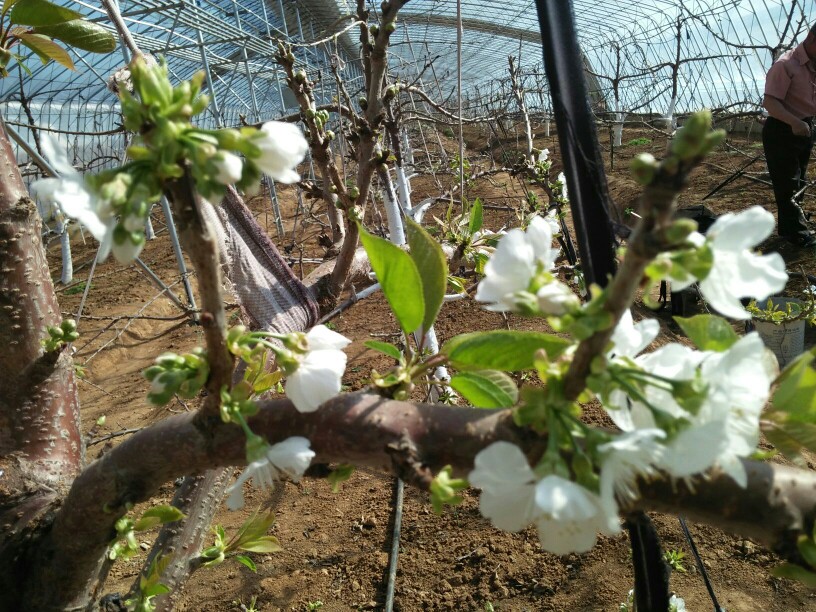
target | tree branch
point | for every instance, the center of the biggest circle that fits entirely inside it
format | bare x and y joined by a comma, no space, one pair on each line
777,505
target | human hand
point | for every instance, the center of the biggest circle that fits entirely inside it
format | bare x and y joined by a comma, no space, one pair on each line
801,128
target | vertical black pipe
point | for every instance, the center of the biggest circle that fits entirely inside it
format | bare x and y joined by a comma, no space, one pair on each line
578,140
590,205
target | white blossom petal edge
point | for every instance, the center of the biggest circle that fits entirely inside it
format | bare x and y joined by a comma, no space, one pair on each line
571,516
319,374
282,147
508,486
514,263
630,338
290,457
737,272
69,192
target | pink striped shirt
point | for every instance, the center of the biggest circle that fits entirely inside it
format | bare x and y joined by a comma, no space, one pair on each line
792,80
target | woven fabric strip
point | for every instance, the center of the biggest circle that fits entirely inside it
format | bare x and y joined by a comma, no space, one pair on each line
267,289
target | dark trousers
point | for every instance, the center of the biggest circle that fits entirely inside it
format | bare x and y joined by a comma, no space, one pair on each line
787,156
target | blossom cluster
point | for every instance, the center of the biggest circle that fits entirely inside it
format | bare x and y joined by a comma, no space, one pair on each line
114,205
313,364
681,411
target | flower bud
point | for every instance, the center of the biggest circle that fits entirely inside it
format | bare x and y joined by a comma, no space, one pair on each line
644,166
712,140
229,139
689,139
679,230
390,27
300,76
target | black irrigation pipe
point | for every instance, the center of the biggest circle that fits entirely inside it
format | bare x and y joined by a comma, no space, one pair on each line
578,140
700,565
733,177
393,555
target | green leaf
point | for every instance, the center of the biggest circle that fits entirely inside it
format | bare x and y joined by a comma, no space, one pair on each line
795,572
791,437
795,394
155,589
476,216
266,381
253,528
158,516
384,347
40,13
432,267
247,561
46,49
399,278
505,350
81,34
8,4
486,388
807,548
708,332
339,475
264,544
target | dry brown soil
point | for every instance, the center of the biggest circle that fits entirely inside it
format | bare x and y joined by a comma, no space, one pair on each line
336,545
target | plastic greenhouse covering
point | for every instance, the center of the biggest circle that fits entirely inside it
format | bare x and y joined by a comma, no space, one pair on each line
655,56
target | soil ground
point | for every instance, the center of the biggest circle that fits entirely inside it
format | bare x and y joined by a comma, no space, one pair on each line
336,545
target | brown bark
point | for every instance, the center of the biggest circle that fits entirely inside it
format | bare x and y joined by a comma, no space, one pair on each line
199,242
777,506
39,409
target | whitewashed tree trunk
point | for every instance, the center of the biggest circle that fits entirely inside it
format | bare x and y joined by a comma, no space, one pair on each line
617,128
67,261
403,188
392,209
671,120
149,233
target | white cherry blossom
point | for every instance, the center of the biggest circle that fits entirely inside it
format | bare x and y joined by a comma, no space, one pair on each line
567,515
228,168
739,382
563,180
543,155
319,373
508,486
737,272
626,458
672,361
282,147
71,195
290,458
570,516
556,298
725,427
514,263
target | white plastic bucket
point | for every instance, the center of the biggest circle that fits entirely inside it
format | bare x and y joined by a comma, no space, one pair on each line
786,339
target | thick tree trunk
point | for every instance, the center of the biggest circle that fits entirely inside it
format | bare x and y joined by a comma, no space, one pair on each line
39,409
40,444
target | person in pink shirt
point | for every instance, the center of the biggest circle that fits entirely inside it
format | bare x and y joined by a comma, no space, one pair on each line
788,135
